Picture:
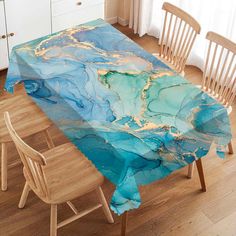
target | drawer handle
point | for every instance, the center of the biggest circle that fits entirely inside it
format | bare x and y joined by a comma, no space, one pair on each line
10,35
3,36
79,3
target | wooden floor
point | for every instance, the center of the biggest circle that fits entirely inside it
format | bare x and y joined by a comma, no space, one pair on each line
174,206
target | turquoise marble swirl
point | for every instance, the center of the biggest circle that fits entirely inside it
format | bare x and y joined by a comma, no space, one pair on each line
131,115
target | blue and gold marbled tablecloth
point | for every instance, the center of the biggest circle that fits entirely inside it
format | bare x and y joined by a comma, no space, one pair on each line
135,118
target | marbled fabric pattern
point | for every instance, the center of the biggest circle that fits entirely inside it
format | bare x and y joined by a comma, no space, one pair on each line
135,118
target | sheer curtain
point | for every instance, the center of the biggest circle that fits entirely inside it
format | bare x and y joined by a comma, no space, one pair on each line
213,15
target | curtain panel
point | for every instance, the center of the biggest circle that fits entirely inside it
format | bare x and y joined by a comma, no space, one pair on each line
140,16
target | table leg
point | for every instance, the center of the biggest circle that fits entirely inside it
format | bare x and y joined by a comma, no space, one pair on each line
190,170
124,223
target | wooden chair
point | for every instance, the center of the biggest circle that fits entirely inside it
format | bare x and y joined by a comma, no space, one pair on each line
219,75
28,120
178,36
58,176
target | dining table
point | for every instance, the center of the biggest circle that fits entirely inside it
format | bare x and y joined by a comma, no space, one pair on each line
134,117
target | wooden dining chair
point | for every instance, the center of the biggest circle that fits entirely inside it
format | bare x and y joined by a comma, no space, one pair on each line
28,119
178,36
58,176
219,75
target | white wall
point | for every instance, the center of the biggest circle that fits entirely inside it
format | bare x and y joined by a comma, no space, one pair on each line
111,11
117,11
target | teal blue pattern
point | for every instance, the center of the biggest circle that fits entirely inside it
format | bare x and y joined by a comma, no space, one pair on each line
131,115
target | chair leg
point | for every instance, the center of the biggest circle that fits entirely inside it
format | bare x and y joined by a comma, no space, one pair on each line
4,167
190,170
105,206
53,223
201,174
230,146
48,139
24,196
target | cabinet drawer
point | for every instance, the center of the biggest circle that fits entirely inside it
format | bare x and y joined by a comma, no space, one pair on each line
74,18
61,7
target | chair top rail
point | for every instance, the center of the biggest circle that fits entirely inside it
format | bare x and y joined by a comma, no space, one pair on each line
183,15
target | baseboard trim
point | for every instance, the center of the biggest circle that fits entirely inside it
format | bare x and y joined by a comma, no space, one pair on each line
116,19
112,20
3,69
122,21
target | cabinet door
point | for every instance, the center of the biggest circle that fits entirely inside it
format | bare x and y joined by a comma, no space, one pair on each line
3,39
27,20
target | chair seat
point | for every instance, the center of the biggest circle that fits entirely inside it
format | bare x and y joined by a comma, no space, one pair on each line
167,63
27,117
69,174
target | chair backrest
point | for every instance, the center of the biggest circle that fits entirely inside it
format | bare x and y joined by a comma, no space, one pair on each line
219,75
32,160
178,36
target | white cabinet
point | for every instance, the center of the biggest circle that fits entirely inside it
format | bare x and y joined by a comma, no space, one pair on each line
27,20
22,21
69,13
3,39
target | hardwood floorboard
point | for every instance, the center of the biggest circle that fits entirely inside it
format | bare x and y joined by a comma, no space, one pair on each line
174,206
225,227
